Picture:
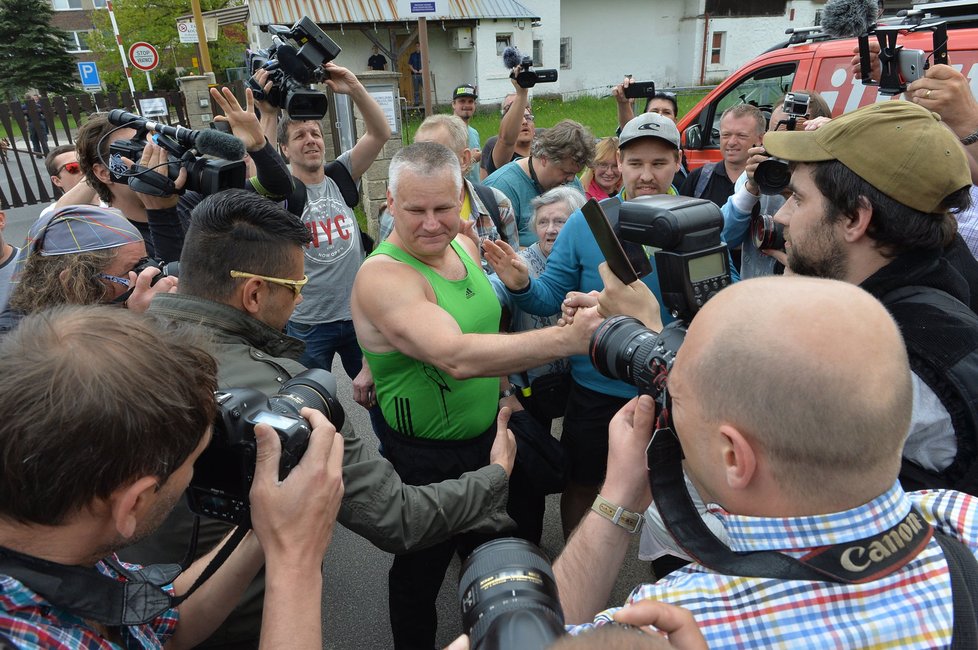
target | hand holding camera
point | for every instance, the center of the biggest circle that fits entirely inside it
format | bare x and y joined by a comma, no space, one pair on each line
947,92
294,518
635,299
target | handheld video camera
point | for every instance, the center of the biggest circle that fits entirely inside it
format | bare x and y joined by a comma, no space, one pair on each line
224,471
692,267
898,66
294,61
527,77
185,148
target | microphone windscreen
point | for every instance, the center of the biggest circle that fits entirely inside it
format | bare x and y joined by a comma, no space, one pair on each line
511,57
847,18
220,145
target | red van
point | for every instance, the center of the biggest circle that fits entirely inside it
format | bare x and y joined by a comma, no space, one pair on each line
814,61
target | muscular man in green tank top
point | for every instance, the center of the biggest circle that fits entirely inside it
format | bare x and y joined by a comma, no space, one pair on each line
428,322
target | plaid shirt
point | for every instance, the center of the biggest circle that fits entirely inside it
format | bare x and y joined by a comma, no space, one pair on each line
910,608
28,621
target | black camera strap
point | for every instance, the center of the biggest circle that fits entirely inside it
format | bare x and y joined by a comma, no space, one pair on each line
89,594
533,174
137,599
854,562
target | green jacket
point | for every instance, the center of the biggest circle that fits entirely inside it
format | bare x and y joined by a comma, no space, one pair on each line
376,504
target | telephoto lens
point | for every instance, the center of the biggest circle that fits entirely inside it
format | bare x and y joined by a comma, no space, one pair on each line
315,388
772,176
508,596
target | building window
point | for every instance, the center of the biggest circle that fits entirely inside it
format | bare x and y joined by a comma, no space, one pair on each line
538,53
565,52
716,49
99,4
65,5
502,42
78,42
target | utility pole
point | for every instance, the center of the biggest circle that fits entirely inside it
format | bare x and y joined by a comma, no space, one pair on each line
205,55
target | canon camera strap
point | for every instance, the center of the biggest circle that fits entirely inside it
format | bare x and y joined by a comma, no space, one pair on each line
853,562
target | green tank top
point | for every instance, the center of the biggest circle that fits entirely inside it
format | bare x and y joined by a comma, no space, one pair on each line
417,398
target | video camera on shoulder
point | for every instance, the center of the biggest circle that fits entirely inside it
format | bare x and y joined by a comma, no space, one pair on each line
186,148
692,267
224,471
294,61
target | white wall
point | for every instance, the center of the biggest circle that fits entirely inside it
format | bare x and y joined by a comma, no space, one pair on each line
493,76
749,36
637,37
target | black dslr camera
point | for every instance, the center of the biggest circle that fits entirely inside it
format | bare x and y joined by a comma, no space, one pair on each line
167,269
772,175
294,61
185,147
224,471
692,267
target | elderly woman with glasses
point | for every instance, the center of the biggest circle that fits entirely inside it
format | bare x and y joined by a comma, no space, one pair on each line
602,179
542,391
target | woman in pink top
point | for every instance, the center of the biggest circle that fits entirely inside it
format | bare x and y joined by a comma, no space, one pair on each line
603,178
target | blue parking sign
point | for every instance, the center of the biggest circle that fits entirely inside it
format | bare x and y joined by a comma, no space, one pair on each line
89,74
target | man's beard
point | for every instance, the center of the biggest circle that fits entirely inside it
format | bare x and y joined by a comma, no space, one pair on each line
828,261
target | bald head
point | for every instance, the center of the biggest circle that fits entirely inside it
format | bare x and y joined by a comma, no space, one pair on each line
813,371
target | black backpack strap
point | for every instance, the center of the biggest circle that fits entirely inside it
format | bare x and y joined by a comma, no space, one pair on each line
963,567
488,198
348,187
706,172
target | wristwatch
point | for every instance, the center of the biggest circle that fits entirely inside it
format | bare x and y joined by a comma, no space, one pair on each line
509,392
630,521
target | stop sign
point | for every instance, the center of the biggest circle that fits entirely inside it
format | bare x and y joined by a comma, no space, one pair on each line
144,56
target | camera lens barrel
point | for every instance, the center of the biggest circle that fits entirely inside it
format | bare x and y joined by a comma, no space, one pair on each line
772,176
766,233
315,388
508,597
623,348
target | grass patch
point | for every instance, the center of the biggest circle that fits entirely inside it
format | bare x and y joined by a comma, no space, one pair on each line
599,114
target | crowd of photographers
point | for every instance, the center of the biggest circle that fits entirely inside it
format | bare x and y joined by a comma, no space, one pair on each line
173,456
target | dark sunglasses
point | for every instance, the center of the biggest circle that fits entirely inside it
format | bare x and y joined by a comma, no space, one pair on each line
72,168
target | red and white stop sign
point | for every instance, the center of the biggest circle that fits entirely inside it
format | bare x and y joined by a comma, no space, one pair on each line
144,56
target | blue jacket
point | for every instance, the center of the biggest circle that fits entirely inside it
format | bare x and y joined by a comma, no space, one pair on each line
573,266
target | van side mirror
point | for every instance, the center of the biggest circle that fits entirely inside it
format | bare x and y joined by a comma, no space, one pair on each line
693,137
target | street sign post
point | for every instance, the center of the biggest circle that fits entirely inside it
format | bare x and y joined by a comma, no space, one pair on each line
144,56
89,75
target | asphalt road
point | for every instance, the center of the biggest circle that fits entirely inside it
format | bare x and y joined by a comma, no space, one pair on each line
355,572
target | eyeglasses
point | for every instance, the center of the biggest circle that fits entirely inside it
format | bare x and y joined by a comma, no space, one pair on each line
603,167
295,285
72,168
114,278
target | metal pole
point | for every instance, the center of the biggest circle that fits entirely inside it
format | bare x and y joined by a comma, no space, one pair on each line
205,55
149,82
122,54
426,72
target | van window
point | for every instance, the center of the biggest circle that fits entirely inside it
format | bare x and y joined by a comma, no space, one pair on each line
762,88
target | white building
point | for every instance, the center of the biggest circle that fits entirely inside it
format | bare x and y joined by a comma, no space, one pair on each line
592,43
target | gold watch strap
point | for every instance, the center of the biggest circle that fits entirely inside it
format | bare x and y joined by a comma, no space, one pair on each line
630,521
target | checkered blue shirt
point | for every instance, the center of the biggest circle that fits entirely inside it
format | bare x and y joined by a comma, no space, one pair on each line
910,608
30,622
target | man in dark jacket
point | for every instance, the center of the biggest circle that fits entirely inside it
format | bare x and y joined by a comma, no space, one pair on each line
871,195
241,275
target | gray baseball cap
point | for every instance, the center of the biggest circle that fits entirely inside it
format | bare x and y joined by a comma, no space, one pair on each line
650,125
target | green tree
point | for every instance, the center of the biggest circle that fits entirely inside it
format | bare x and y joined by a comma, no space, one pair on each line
33,53
155,22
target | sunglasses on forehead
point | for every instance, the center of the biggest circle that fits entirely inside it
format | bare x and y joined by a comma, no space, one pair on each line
72,168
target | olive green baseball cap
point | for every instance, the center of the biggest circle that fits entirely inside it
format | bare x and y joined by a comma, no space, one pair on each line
898,147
